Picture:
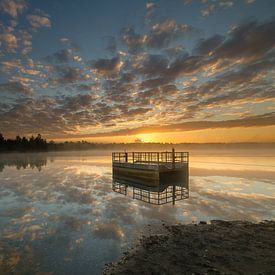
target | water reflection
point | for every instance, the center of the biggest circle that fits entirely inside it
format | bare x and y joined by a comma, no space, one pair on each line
158,195
65,218
23,161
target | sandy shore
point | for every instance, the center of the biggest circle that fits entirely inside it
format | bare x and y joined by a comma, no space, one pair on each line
221,247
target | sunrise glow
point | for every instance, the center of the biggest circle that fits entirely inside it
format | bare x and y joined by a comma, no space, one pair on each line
148,75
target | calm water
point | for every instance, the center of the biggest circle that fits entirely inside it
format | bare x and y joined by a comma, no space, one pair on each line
58,213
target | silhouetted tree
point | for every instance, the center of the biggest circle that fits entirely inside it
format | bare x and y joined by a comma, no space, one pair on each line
2,142
23,144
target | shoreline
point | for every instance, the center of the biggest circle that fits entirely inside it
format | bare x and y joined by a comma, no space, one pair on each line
221,247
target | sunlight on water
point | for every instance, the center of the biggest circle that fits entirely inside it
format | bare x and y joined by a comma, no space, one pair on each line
59,213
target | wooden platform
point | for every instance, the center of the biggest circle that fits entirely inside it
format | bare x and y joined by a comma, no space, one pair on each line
151,168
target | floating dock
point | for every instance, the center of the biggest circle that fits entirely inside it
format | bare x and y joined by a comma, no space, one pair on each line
151,168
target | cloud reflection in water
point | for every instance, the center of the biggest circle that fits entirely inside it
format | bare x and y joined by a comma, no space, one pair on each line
60,213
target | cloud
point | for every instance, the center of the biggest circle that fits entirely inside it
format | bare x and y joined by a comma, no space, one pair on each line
175,52
248,42
38,21
161,72
9,42
25,81
249,1
207,46
12,41
69,75
60,114
165,32
61,56
217,5
12,7
66,114
75,103
249,82
206,12
226,4
14,87
186,65
161,35
14,37
152,65
132,40
188,2
26,42
126,112
16,68
267,119
107,67
64,40
150,7
8,65
153,83
88,87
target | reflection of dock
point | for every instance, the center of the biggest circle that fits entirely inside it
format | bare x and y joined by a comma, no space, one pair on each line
157,195
154,177
151,167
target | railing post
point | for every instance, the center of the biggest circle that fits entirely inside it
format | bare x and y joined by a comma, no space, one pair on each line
173,158
158,158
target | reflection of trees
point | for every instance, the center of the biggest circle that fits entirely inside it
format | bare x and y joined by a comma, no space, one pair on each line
23,161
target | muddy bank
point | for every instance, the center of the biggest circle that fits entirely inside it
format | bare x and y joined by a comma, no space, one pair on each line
220,247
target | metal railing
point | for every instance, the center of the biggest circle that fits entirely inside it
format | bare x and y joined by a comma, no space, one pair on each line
150,158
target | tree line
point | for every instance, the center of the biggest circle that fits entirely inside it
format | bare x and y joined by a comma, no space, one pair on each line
38,144
23,144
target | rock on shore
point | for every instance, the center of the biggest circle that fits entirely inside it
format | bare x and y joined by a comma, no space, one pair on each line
221,247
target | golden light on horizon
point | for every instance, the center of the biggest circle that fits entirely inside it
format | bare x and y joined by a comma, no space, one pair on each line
147,138
223,135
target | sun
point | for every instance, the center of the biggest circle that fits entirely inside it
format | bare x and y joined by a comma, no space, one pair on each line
146,138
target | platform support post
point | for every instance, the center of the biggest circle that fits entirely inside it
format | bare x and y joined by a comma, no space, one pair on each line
158,158
173,158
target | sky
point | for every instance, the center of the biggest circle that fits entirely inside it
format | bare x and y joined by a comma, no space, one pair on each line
120,70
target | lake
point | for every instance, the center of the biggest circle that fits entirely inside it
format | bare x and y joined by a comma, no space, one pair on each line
58,212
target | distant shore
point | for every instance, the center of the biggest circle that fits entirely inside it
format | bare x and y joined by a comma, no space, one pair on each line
13,147
221,247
